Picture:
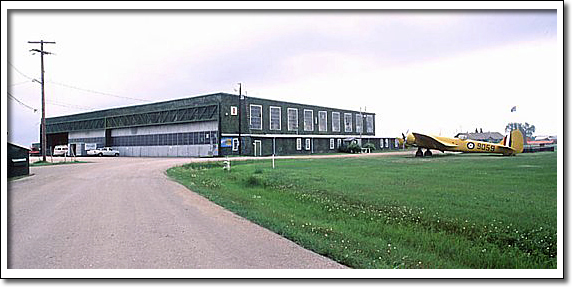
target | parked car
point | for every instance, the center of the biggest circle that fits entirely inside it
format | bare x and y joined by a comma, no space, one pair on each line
103,151
34,151
60,150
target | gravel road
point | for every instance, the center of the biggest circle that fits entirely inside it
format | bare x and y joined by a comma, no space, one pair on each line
126,213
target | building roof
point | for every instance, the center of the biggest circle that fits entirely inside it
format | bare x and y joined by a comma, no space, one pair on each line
540,142
191,109
20,146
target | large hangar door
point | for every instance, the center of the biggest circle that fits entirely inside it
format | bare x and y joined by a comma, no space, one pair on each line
53,140
108,138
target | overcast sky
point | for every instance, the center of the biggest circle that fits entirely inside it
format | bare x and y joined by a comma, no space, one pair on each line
436,72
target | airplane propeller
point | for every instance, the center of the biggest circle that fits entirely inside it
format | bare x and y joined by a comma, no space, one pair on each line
405,137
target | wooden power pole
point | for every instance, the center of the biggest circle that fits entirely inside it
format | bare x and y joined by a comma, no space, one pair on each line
43,137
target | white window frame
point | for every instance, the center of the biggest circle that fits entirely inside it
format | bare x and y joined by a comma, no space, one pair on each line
396,143
369,123
233,111
289,126
325,124
359,119
309,128
308,144
339,143
332,144
298,144
235,144
336,128
250,117
279,118
386,143
346,129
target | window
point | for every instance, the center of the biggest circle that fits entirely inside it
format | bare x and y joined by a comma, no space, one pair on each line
347,122
201,138
292,119
235,144
322,121
298,144
233,111
339,143
307,144
308,120
335,122
359,123
396,143
256,117
275,118
386,143
331,143
369,124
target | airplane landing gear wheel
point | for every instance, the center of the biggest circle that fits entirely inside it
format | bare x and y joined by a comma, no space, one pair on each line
419,153
428,153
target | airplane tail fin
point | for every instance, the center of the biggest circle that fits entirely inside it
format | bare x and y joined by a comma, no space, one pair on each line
515,140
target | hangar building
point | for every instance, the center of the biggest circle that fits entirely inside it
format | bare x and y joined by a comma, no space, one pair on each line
215,125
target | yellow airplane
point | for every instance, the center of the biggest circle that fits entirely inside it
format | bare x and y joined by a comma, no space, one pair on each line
510,145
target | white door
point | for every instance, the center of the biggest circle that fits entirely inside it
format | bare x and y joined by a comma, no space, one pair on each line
257,148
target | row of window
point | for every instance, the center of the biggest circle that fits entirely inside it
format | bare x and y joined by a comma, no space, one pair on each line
382,143
321,121
194,138
308,142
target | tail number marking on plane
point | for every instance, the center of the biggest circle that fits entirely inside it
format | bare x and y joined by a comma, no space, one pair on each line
485,147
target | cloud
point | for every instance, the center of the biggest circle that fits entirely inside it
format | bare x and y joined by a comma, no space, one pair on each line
393,62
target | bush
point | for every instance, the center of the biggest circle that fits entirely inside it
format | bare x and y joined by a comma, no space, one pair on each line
371,146
254,180
354,148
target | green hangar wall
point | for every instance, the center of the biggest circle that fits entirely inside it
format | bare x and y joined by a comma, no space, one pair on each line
215,125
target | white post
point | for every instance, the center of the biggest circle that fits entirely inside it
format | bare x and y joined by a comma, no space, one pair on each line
272,161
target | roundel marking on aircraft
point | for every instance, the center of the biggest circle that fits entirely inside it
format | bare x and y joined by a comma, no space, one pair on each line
470,145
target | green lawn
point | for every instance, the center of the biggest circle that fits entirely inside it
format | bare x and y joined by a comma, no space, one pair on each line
449,211
43,163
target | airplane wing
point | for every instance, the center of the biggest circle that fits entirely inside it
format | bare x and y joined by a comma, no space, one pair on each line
431,142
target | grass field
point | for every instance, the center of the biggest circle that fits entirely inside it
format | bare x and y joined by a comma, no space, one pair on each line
449,211
43,163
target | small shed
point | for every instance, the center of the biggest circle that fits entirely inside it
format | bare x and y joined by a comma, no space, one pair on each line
18,160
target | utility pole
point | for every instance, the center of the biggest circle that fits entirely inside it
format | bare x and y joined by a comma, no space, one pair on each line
361,129
43,137
239,118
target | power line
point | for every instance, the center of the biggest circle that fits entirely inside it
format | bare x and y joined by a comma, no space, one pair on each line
21,103
16,84
52,102
78,88
19,72
97,92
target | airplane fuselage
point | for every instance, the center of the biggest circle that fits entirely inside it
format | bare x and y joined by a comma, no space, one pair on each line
467,145
510,145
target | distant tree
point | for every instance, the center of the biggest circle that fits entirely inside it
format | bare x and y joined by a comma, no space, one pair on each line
526,128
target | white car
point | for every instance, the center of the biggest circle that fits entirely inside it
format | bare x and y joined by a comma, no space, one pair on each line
103,151
60,150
